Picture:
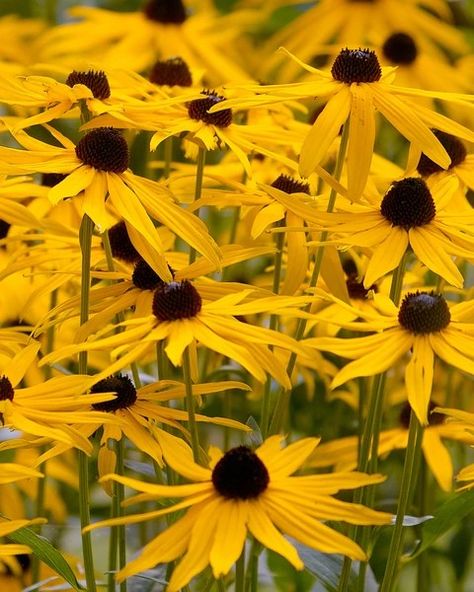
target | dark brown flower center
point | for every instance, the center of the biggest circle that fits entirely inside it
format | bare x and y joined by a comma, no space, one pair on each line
176,300
240,474
198,109
356,289
120,384
6,389
433,418
166,12
408,203
145,277
121,245
424,312
400,49
96,82
172,72
51,179
454,147
289,185
4,228
356,65
105,149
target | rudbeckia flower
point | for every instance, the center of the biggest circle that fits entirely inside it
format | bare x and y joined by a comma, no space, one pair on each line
179,316
188,113
97,168
423,324
135,40
245,491
356,88
342,453
137,411
48,409
99,91
462,163
410,213
363,21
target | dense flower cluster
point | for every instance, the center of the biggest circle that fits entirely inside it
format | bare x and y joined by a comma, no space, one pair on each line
209,246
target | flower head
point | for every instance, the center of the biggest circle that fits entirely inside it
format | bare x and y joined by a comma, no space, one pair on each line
246,491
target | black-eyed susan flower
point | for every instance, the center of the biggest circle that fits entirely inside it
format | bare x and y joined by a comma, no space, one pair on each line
188,113
424,325
97,169
342,453
411,213
245,491
180,317
135,40
356,87
138,412
100,92
364,21
48,409
462,163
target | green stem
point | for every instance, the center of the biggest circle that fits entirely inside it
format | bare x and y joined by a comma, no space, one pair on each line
369,441
113,543
201,160
251,583
120,493
85,241
192,424
413,451
273,325
240,572
51,11
281,406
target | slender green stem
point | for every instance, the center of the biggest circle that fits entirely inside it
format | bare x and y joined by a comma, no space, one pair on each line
279,242
423,574
415,437
240,572
85,241
201,161
369,440
251,582
51,11
41,487
120,492
192,424
281,406
113,542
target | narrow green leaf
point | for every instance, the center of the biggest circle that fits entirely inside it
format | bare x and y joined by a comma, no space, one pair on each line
448,515
327,568
45,551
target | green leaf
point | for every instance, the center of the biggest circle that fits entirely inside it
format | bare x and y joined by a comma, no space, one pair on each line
285,577
45,551
327,568
455,509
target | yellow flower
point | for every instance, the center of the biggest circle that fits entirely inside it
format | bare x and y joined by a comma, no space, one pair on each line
134,40
245,491
424,324
351,22
48,409
342,453
137,412
98,167
179,316
356,88
410,213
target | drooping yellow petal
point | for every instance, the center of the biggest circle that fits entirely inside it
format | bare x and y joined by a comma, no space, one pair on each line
73,184
387,255
229,536
419,377
324,130
264,531
361,139
438,459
